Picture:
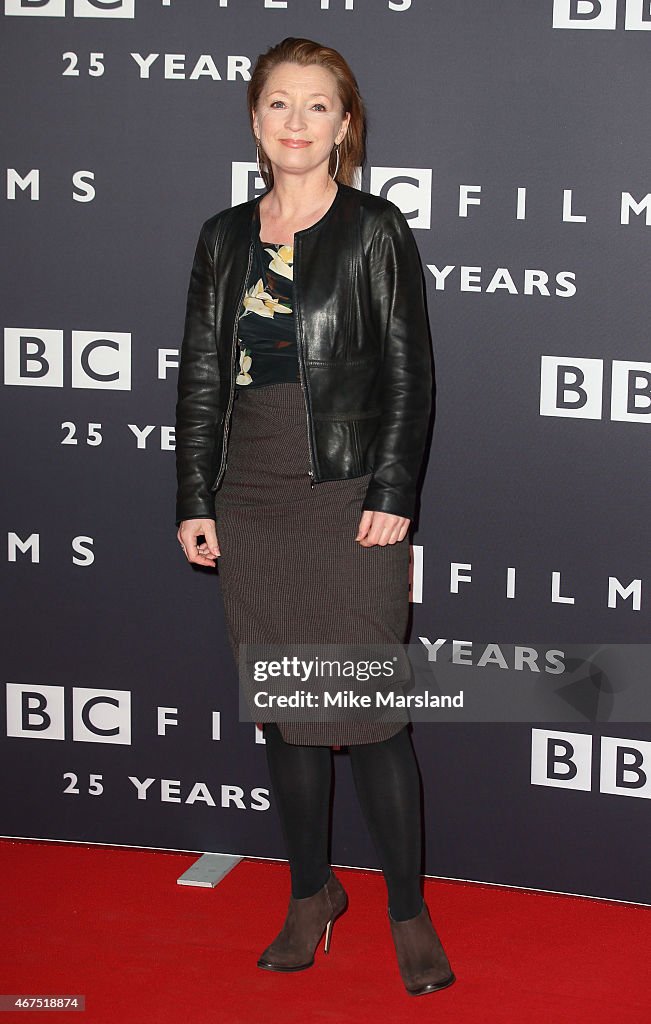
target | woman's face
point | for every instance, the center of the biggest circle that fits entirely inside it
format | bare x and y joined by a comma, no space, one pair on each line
299,117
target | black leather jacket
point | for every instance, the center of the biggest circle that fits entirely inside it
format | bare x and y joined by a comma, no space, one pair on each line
363,345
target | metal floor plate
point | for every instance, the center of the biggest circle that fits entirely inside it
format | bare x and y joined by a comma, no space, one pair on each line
209,870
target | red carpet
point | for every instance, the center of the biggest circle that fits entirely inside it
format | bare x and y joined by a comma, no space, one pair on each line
113,925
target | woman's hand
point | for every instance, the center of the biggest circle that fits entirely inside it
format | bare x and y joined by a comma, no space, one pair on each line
381,528
188,536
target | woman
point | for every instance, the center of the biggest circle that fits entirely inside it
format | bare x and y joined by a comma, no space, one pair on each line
306,341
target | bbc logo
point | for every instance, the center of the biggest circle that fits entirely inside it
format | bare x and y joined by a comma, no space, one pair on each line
573,387
564,760
601,14
96,716
409,188
35,358
80,8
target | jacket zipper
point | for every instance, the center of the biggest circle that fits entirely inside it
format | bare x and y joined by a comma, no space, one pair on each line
227,418
301,369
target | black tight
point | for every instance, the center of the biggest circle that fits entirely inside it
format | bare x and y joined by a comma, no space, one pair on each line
387,782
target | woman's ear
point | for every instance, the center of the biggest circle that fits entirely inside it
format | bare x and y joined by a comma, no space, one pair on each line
344,124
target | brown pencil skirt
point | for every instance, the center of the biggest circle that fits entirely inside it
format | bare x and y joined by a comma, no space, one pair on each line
290,569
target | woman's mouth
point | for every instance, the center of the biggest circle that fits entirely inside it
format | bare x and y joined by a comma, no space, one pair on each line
295,143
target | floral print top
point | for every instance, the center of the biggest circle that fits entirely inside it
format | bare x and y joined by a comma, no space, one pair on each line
266,332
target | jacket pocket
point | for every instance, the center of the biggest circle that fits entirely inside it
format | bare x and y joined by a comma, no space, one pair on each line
366,434
357,447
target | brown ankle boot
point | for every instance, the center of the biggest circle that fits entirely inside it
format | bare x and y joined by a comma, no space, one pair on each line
293,948
421,958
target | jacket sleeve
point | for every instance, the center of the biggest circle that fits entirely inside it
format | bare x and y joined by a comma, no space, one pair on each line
398,301
197,407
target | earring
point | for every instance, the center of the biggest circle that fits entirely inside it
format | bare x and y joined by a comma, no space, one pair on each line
334,176
257,156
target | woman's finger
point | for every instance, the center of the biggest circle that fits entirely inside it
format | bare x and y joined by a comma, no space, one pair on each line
199,552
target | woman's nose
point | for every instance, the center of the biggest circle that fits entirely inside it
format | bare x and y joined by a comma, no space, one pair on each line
295,120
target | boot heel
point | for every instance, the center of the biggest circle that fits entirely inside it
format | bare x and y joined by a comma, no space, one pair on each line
326,948
331,922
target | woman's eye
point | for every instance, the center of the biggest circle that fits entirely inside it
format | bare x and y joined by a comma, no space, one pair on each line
276,101
320,105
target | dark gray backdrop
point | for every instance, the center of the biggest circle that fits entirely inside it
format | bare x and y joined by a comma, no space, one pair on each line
491,98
